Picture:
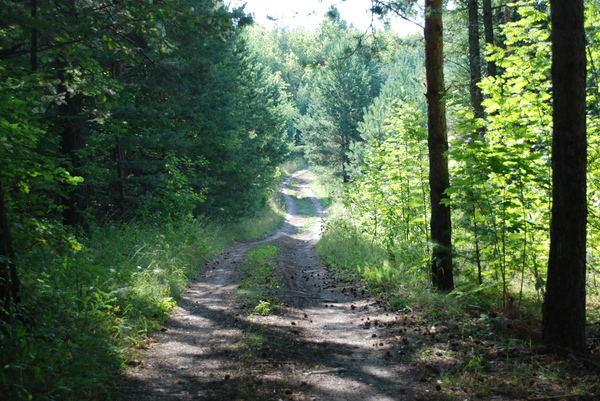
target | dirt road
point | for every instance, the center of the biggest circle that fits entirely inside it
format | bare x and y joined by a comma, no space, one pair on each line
325,343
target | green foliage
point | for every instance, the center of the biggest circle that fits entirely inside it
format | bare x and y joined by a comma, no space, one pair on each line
263,307
389,200
593,129
216,110
403,82
293,164
331,124
344,249
88,305
501,185
262,223
26,167
150,113
85,303
160,108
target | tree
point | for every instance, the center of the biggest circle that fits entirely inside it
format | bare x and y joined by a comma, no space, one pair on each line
9,280
402,81
439,177
331,125
156,105
475,58
488,28
389,196
564,308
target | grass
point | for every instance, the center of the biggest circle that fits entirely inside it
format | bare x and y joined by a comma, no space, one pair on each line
255,339
327,190
305,206
256,295
90,304
257,290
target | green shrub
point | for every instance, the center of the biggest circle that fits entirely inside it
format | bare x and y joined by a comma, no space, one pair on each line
88,302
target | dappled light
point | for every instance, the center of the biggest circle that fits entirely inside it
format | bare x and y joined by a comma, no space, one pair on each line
194,206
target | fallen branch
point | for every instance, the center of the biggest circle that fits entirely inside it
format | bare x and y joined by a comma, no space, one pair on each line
324,372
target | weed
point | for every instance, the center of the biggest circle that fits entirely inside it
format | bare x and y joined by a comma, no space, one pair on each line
475,362
263,307
260,281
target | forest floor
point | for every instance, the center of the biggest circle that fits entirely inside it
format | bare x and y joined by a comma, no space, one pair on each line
325,341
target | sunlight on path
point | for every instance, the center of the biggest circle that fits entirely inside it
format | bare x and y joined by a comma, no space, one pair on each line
323,344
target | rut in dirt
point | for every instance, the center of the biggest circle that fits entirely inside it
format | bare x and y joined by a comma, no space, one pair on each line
327,342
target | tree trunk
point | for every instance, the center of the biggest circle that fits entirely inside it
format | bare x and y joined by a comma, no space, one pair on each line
439,180
34,44
488,29
563,314
475,59
75,201
9,279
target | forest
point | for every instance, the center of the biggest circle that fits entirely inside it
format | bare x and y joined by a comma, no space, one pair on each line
138,139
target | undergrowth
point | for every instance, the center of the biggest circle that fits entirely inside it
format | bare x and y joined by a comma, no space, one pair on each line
482,351
89,303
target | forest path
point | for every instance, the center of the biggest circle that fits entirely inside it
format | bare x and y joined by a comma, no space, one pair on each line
325,343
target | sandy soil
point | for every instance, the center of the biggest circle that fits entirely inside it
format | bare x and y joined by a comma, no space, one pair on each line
327,342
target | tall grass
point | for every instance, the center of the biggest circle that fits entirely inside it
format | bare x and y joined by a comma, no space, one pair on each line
263,223
355,255
89,303
350,253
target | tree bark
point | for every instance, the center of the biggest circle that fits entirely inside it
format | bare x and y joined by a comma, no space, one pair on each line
75,201
9,279
439,179
488,29
34,44
563,312
475,59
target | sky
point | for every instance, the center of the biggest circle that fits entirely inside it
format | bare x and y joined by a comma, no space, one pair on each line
310,13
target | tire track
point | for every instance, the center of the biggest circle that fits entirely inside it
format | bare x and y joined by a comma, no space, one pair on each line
323,344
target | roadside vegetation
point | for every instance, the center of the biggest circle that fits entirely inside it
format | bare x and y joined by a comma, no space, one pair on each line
102,300
139,139
470,343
